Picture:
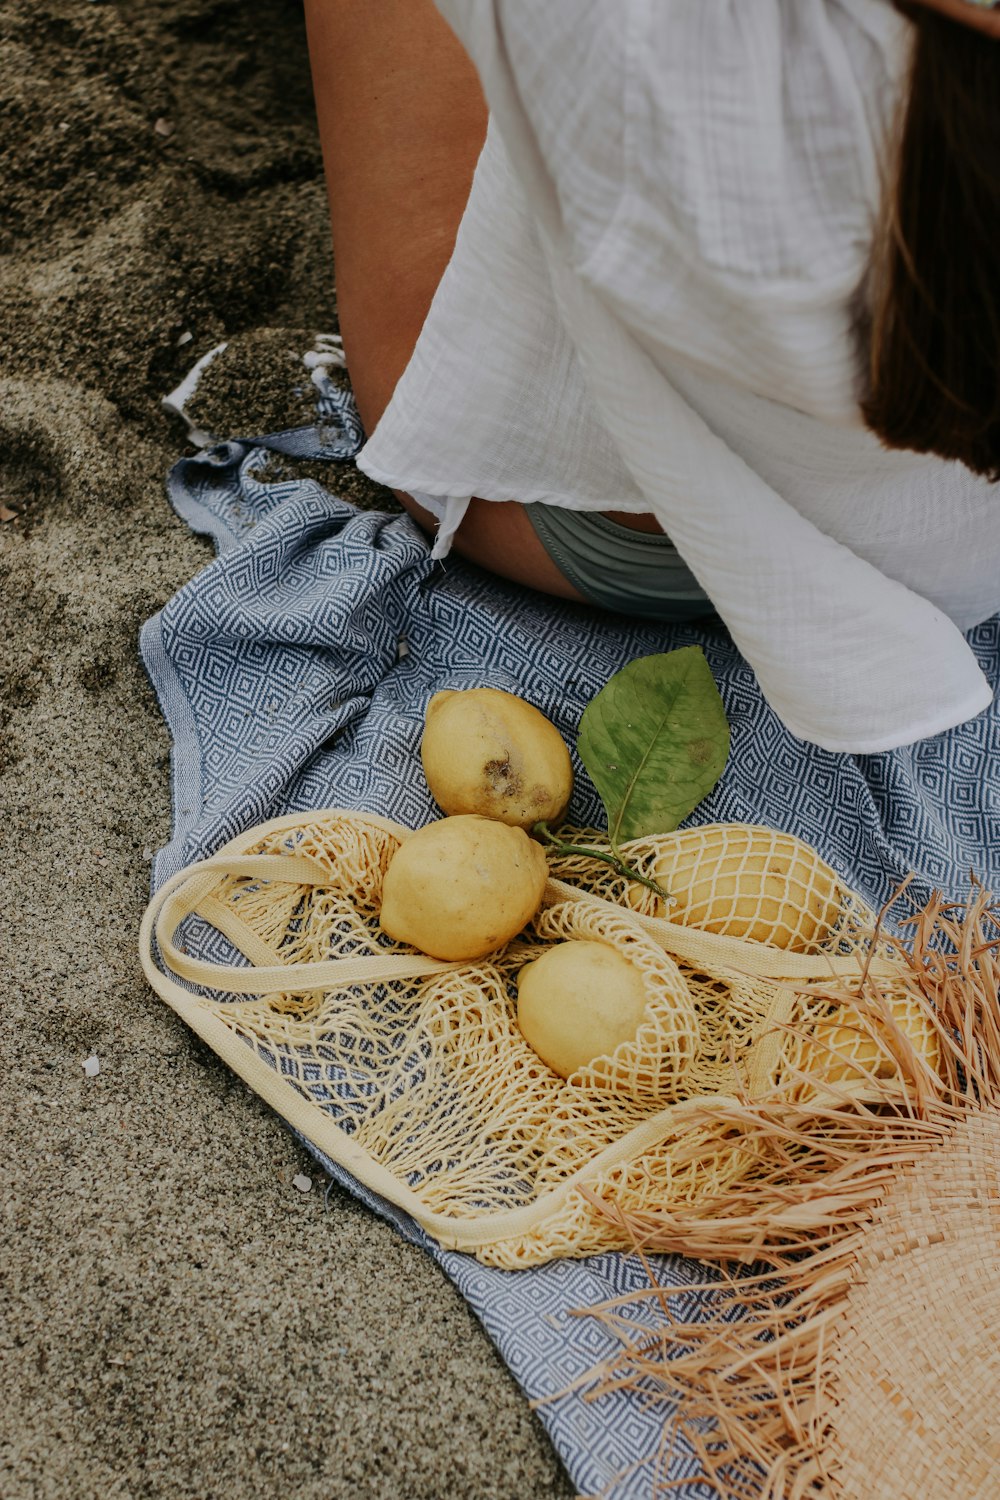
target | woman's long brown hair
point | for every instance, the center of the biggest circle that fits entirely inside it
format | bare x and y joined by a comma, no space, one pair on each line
935,330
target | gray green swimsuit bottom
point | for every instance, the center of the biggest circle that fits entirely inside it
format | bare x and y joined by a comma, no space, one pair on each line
636,573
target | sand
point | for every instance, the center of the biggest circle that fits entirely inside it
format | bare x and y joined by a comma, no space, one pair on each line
176,1318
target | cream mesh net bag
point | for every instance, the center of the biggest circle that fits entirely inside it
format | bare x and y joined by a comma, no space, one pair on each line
412,1074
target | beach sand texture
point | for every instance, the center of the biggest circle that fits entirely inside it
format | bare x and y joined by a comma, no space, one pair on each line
177,1319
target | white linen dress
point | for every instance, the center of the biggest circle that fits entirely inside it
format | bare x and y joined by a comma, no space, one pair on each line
651,307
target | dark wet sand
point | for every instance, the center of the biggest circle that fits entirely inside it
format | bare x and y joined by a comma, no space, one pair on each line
176,1319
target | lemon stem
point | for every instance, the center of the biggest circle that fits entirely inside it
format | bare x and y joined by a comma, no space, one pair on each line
544,834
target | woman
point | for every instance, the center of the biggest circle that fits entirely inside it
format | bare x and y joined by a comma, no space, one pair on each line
698,290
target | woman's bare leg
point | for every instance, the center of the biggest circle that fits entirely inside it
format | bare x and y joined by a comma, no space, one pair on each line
402,121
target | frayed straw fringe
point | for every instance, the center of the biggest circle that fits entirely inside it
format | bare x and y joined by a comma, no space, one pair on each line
759,1386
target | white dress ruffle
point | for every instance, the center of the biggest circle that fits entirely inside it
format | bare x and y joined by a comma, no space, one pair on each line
650,308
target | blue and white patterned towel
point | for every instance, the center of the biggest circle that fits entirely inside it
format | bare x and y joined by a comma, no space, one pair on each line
294,672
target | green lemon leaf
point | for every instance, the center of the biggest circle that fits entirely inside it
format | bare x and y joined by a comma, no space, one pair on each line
654,741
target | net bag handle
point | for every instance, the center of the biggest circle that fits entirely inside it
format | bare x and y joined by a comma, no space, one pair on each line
719,952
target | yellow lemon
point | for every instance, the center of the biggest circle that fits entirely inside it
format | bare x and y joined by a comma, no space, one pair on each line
489,752
577,1002
746,882
462,887
847,1046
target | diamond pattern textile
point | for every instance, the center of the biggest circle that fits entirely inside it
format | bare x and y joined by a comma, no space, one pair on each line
294,672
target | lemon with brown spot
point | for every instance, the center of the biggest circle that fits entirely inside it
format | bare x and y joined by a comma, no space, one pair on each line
489,752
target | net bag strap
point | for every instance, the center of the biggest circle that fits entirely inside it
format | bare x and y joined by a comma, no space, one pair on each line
185,895
718,952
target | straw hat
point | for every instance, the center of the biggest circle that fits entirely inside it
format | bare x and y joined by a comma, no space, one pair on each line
869,1367
915,1364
